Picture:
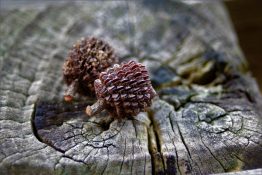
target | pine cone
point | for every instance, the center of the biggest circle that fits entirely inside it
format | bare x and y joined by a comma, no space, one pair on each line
124,90
85,61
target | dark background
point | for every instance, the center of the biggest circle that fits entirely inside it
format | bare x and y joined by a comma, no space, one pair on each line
246,16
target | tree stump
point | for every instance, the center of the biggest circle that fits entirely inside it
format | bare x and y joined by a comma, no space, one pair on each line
207,118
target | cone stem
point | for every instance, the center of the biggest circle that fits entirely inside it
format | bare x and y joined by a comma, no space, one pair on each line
95,108
71,90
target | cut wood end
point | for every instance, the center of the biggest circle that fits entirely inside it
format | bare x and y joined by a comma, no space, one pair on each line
89,111
96,108
70,91
68,98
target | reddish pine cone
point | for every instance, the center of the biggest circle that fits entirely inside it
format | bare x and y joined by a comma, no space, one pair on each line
85,61
125,90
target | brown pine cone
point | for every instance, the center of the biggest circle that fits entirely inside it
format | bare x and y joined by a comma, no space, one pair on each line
85,61
124,90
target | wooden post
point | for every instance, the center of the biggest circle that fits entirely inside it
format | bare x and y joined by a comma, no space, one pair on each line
207,118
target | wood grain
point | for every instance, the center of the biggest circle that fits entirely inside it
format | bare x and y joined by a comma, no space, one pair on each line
206,120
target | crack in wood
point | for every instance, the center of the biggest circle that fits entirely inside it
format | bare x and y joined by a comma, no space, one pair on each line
123,157
33,125
76,160
151,151
176,153
155,146
212,154
182,139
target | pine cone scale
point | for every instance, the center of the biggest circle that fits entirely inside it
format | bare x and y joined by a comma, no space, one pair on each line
125,89
85,61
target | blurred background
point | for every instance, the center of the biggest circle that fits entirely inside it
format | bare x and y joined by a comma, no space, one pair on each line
246,16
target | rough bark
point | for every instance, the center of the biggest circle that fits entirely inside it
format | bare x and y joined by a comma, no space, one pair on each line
207,118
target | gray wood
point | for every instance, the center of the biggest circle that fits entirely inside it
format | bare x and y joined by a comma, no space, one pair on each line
207,118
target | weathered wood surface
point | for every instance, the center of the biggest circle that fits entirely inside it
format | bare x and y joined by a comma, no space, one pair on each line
207,118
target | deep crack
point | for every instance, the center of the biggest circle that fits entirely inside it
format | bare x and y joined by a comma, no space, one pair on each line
155,154
33,124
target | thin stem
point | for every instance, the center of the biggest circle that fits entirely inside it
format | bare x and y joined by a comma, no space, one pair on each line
96,108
